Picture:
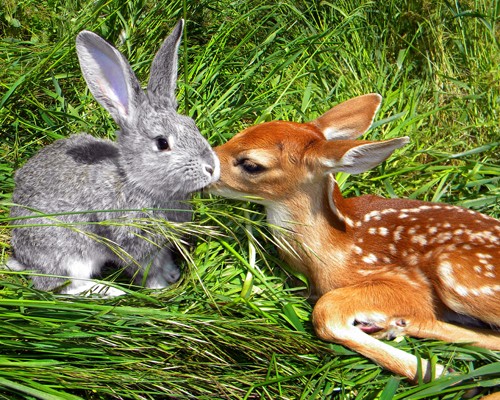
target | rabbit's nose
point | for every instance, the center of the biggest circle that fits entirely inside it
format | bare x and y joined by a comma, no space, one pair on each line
212,169
209,169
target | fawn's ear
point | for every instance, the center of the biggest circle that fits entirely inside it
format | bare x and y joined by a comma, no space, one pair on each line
350,119
355,157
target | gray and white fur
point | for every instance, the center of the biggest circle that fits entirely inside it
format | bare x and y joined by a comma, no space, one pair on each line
159,159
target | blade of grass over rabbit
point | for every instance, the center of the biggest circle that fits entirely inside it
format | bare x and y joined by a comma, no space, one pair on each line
150,229
435,66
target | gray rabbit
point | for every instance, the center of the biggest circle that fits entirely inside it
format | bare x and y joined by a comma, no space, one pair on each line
159,159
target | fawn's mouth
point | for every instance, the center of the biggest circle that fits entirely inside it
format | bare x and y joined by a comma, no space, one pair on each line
218,188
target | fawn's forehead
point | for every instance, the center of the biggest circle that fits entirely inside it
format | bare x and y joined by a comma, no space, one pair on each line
281,135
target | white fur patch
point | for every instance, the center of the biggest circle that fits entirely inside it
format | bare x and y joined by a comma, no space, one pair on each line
278,215
338,134
370,258
397,233
358,250
89,288
393,249
372,214
83,269
419,239
13,265
383,231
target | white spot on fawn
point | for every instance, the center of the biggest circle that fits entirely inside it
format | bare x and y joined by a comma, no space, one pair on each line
484,236
444,237
486,290
445,271
413,259
370,258
357,250
372,214
383,231
393,249
486,256
462,290
366,272
419,239
397,233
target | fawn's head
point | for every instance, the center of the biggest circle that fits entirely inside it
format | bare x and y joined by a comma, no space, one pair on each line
269,162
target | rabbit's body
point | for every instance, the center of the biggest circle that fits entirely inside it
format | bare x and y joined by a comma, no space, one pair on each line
158,161
94,166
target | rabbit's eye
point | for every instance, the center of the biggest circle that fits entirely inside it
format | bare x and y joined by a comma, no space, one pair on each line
162,144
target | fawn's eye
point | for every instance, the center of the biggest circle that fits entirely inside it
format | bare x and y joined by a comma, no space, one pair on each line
250,166
162,143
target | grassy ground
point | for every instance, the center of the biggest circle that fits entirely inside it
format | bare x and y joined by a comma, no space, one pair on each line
235,327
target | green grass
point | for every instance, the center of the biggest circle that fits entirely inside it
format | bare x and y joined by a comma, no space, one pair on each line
236,326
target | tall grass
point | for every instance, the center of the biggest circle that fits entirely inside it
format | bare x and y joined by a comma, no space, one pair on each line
237,325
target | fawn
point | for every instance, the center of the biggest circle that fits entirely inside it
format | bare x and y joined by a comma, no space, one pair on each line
380,268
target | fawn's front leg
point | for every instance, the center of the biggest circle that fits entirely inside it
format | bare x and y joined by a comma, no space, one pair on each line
385,308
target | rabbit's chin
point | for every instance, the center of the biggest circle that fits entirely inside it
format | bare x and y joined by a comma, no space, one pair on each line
174,191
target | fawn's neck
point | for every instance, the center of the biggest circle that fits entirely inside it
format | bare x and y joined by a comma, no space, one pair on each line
313,240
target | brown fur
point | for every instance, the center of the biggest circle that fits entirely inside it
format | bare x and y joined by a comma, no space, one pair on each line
378,266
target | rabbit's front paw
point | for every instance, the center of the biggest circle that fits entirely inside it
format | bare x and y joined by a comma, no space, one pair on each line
171,273
167,276
163,271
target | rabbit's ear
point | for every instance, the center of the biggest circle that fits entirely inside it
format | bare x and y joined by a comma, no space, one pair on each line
109,76
163,79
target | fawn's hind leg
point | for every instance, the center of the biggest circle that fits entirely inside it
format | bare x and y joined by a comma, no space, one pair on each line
384,307
467,280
